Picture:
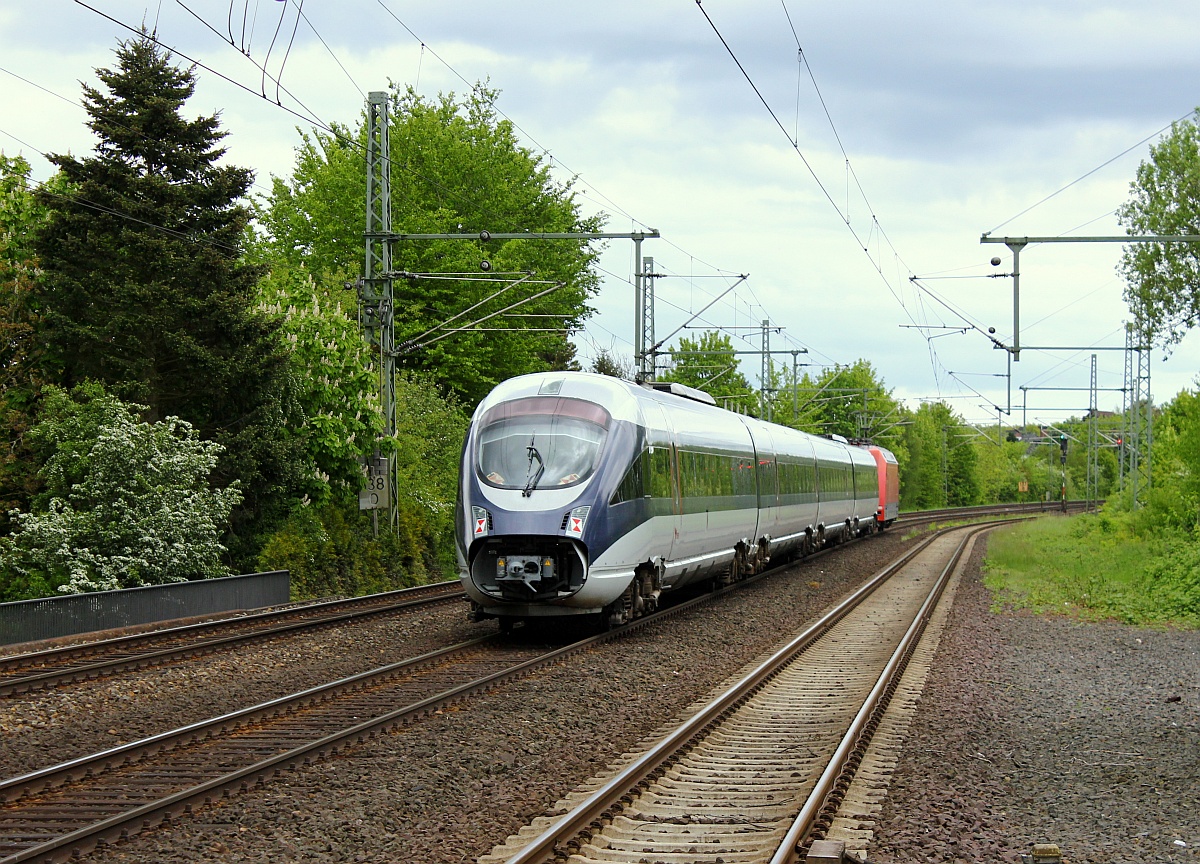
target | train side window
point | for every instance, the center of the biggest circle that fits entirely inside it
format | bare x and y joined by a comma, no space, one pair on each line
648,476
768,478
744,481
657,470
632,486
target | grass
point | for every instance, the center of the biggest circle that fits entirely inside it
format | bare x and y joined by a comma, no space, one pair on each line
1092,568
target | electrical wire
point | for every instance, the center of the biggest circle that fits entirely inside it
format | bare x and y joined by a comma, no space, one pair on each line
336,60
134,132
101,208
1090,173
875,225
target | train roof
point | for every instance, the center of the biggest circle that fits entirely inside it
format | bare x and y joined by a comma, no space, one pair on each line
623,399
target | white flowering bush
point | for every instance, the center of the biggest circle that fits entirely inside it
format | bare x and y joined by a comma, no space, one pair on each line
339,382
127,502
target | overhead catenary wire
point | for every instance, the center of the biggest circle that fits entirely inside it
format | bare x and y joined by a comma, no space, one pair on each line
471,308
875,225
311,117
1104,164
410,347
100,208
475,87
81,107
575,176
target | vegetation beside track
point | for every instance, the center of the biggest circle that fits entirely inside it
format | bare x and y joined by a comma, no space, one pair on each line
1096,567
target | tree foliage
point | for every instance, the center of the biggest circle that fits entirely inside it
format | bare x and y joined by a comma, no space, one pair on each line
336,379
710,364
143,286
126,503
942,459
455,167
21,214
1172,503
1163,279
331,548
851,401
612,364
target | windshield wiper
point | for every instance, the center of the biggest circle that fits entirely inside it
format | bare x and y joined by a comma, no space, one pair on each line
533,481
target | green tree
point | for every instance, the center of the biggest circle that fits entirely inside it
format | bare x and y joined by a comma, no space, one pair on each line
1163,279
143,286
331,548
851,401
962,480
456,167
20,378
1172,503
336,379
709,364
126,503
613,365
941,464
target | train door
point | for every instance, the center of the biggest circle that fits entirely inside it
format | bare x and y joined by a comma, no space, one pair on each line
660,443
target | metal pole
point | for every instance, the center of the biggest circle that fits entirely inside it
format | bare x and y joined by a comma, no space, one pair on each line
639,331
765,376
1093,465
1016,246
795,386
377,310
1009,377
647,323
1127,437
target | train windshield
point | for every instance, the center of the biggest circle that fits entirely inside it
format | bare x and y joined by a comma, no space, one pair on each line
531,451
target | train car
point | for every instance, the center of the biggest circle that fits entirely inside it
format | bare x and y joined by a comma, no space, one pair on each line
889,485
582,494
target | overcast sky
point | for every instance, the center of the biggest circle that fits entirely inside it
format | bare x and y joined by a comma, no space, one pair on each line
929,123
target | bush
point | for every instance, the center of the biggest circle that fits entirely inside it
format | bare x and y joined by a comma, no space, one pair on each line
1097,567
1173,578
331,551
127,503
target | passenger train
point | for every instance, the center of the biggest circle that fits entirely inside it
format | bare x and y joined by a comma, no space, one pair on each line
582,494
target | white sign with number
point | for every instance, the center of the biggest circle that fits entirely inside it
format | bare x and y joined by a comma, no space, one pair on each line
374,495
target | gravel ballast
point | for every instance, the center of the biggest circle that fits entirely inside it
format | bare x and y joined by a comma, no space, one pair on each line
449,788
137,704
1047,730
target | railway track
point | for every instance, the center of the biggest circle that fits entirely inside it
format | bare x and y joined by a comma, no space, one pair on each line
756,774
959,513
20,673
71,808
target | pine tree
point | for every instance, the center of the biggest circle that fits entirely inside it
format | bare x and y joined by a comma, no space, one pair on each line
144,287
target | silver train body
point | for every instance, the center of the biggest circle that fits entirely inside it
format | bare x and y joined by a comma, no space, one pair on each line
581,494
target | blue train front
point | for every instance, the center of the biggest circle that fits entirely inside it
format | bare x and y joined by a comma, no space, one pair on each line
542,459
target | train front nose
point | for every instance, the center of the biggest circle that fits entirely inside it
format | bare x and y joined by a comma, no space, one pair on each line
527,568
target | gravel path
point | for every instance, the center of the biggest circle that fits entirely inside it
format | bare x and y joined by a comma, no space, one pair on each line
1046,730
